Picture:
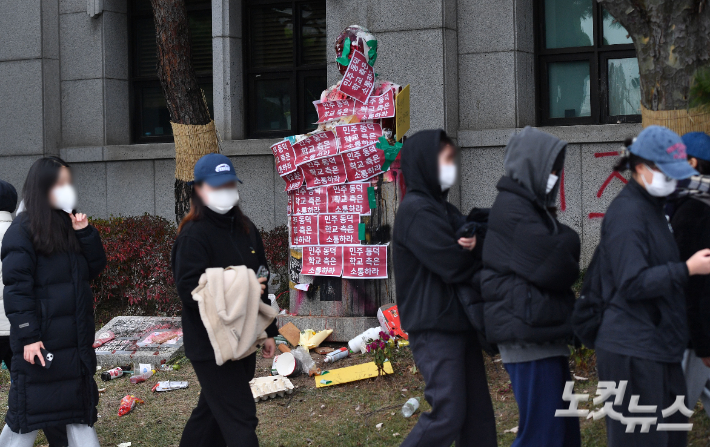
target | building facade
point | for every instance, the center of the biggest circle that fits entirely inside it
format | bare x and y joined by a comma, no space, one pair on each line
77,79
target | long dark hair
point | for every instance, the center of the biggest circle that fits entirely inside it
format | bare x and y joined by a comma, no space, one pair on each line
197,212
51,229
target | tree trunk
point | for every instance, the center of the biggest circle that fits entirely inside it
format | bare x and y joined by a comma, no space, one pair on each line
672,39
177,77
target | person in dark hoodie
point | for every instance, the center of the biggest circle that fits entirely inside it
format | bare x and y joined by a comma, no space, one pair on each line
691,227
530,262
429,263
644,331
215,233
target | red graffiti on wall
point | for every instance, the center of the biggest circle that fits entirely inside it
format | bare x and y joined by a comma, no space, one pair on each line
608,180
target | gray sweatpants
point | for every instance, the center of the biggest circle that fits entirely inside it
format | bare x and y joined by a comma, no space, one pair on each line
78,435
697,379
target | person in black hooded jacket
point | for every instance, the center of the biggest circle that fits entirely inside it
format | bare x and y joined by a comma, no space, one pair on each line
49,255
530,262
429,263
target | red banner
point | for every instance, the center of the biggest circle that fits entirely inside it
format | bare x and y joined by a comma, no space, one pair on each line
349,198
359,80
378,107
309,201
294,180
325,171
362,164
304,230
285,157
355,136
319,145
332,110
338,229
365,262
322,261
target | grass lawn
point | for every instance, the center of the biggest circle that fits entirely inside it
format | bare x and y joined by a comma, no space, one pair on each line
345,415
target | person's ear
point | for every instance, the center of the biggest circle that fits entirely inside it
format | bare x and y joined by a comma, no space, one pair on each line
693,162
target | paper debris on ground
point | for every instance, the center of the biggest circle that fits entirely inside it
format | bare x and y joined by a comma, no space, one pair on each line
351,374
169,385
310,339
263,388
581,379
512,430
291,333
124,444
378,426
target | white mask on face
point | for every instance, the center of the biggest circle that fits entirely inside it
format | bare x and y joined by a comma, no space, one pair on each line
551,182
447,176
222,200
64,198
660,186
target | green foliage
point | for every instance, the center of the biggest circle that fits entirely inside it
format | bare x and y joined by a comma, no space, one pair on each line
700,90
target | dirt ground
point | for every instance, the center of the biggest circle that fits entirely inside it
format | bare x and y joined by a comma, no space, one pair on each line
345,415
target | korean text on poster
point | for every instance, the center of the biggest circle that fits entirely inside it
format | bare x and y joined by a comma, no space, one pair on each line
338,229
362,164
322,261
294,180
349,198
304,230
308,201
365,262
325,171
359,80
333,110
318,145
285,157
377,107
355,136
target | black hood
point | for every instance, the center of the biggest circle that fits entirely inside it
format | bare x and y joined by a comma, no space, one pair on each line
420,162
8,197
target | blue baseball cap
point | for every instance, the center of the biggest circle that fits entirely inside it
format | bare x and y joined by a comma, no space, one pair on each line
698,145
665,149
215,170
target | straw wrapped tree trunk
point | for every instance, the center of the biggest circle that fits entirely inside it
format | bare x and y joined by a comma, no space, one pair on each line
192,126
672,40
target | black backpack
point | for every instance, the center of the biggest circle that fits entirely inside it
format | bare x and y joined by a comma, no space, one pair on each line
589,307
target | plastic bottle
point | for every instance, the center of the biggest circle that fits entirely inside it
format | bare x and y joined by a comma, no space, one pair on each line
142,377
358,343
337,355
410,407
114,373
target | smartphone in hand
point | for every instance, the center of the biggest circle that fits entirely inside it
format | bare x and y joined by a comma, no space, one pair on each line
48,357
263,272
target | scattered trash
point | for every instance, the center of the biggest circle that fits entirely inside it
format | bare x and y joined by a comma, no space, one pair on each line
284,348
169,385
325,382
280,340
402,343
497,360
322,407
358,343
166,367
124,444
378,426
581,379
512,430
310,339
291,333
308,365
128,403
324,350
103,337
337,355
102,390
115,373
410,407
263,388
286,365
353,373
388,316
413,369
140,378
395,434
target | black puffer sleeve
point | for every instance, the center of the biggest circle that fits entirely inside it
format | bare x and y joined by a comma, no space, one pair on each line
93,250
19,263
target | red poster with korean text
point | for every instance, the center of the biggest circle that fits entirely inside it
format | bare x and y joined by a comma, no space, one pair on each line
309,201
377,107
349,198
362,164
285,157
365,262
355,136
359,80
294,180
322,261
338,229
304,230
333,110
319,145
325,171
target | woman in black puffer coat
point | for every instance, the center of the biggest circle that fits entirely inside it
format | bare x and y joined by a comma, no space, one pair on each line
49,255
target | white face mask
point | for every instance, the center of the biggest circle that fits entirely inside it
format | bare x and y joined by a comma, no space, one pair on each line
222,200
551,182
447,176
660,186
64,198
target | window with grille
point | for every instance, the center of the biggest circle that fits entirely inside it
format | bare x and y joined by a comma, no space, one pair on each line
587,67
285,65
151,120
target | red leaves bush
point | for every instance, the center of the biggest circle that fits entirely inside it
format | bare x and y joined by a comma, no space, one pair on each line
138,273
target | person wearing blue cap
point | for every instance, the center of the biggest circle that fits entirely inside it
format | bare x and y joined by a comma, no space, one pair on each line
691,226
644,331
215,233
